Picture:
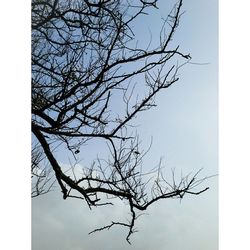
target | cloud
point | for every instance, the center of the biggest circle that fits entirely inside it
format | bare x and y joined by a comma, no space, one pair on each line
169,224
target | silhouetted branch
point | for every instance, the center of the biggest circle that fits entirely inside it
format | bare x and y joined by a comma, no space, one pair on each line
85,65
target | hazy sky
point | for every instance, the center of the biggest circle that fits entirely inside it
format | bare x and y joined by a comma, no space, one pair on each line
184,134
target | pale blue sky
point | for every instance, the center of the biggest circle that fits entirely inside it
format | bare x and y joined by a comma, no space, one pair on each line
184,133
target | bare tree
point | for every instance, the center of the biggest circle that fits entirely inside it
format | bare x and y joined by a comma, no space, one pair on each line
86,61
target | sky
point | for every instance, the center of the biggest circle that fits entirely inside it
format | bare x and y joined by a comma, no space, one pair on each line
234,133
184,133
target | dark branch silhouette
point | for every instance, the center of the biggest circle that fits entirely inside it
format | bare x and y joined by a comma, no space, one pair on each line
85,65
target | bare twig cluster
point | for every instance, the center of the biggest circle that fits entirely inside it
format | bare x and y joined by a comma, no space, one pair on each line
84,59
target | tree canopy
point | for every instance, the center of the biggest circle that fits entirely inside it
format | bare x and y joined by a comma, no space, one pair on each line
86,61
